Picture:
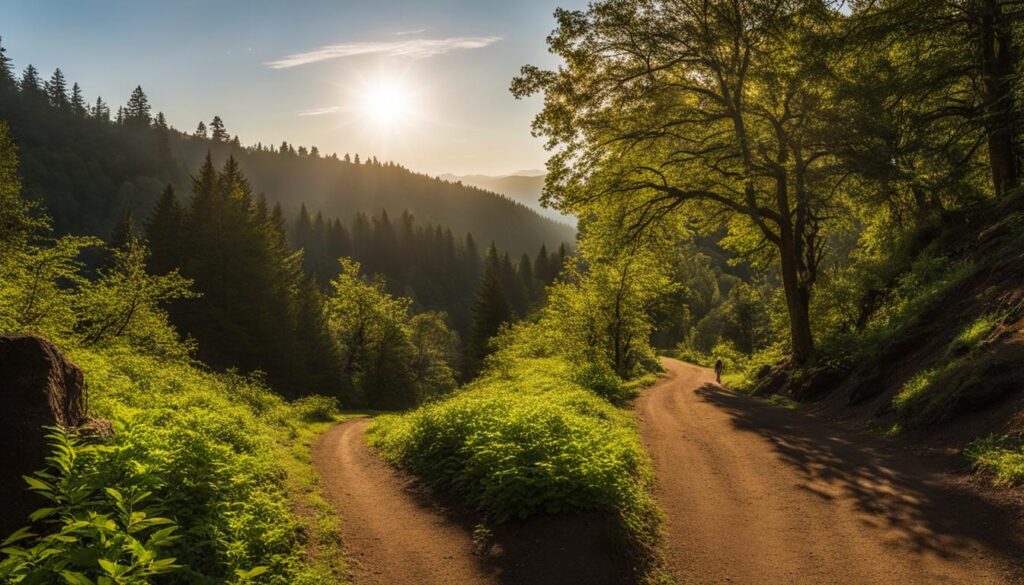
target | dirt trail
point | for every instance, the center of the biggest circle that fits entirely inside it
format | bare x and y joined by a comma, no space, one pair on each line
395,534
757,494
391,536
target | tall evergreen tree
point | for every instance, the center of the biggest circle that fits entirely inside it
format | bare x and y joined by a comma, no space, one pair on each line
163,136
30,84
542,267
6,67
78,101
513,287
124,232
217,131
137,110
490,310
57,90
201,131
101,111
164,231
529,284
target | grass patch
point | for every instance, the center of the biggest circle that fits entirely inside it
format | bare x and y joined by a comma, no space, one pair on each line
783,402
928,393
972,337
1002,455
525,440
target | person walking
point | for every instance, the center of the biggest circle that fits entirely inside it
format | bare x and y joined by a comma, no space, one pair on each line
719,368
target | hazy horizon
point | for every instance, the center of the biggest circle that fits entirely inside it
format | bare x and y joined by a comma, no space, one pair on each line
424,87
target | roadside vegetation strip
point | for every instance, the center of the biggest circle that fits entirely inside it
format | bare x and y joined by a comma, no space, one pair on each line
525,440
212,453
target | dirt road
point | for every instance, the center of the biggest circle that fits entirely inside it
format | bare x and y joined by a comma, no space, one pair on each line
396,534
757,494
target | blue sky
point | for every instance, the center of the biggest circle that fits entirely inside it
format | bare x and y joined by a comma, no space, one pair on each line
312,73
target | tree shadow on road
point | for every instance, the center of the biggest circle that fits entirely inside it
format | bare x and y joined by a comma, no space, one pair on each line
904,496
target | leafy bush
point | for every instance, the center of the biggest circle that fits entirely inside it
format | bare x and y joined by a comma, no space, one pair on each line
98,533
209,447
315,409
523,440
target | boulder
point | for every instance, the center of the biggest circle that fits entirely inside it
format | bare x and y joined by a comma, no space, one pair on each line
38,387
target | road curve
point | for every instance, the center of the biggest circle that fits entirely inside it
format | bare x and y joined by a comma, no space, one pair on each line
394,533
757,494
391,534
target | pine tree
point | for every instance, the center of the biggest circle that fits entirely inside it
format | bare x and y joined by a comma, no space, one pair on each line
137,110
29,83
100,111
77,101
163,136
124,232
542,267
490,310
6,67
201,131
513,287
524,272
57,90
217,131
164,231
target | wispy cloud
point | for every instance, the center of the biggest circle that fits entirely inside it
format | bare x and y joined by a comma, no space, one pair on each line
320,111
404,33
411,48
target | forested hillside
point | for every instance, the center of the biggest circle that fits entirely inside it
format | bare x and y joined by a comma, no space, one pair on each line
819,205
88,162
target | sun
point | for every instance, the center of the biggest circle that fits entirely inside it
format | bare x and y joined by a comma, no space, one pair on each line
387,103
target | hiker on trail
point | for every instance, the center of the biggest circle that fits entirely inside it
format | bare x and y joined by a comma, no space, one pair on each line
719,368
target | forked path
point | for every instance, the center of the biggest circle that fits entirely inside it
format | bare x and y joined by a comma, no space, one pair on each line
395,534
757,494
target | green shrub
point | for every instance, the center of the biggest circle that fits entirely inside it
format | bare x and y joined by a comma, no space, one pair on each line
313,409
206,447
103,525
523,441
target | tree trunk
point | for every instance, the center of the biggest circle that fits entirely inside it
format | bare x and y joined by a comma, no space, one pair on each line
998,64
797,301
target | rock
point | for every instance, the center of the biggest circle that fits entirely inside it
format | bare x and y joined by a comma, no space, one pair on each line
38,387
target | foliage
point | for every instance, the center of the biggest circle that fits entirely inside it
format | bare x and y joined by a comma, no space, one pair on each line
1003,455
523,440
96,533
721,114
974,335
389,359
538,430
428,263
124,302
193,450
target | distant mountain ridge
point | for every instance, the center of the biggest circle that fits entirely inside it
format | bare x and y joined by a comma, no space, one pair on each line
87,170
524,187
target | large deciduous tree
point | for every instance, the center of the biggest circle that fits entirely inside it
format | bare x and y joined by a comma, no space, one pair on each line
708,109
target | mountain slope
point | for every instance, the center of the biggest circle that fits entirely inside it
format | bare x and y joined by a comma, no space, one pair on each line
87,171
524,188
